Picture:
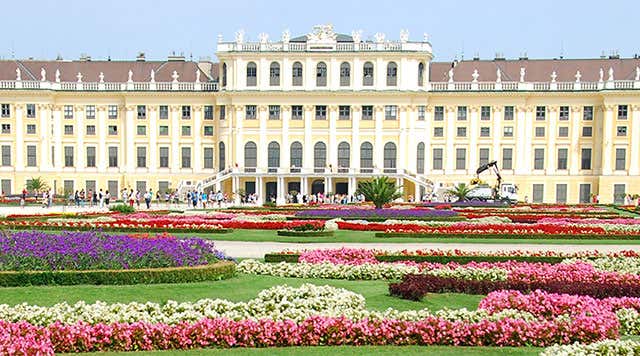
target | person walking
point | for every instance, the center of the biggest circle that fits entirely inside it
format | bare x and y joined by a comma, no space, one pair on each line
147,198
107,198
101,198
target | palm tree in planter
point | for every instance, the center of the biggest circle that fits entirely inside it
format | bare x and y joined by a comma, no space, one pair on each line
37,185
460,191
380,191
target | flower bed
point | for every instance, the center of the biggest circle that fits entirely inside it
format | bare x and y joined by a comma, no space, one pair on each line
317,233
604,347
378,214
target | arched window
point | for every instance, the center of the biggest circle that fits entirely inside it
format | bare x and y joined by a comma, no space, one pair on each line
321,75
392,74
390,157
274,74
273,156
221,160
345,74
295,156
252,74
421,74
344,155
367,74
366,157
297,74
319,157
420,159
250,156
224,75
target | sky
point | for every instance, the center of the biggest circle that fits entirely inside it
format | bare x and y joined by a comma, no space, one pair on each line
457,29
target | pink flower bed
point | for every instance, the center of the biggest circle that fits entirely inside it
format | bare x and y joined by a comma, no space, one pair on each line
344,256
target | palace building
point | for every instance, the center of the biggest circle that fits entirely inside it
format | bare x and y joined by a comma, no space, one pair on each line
318,113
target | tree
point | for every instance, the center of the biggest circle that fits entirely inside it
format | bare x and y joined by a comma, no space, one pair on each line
380,191
37,185
460,191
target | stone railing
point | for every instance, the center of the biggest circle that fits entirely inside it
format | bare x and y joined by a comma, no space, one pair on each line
387,46
108,86
533,86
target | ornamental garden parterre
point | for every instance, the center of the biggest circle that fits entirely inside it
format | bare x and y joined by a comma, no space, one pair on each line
155,281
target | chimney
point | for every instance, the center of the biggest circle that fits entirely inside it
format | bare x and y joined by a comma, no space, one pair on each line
85,57
499,56
175,58
140,57
523,56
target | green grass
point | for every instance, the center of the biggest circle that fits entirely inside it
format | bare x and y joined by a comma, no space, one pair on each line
368,237
240,288
350,350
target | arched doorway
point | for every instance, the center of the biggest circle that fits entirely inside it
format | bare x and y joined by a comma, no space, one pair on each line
317,186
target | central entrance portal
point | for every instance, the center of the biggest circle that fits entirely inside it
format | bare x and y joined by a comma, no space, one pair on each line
317,186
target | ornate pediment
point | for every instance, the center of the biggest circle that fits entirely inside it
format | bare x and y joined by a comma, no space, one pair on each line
322,34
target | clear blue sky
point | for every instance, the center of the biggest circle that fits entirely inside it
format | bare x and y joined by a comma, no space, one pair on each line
118,28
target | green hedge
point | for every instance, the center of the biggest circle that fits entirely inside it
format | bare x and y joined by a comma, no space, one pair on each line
506,236
305,233
293,258
117,229
281,257
212,272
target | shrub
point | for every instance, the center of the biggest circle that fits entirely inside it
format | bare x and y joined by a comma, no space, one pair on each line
380,191
122,208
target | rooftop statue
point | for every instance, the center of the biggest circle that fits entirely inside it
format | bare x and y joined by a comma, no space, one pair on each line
43,75
322,33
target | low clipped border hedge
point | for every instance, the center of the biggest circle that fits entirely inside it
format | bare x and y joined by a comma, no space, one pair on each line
211,272
380,219
294,233
117,229
506,236
294,258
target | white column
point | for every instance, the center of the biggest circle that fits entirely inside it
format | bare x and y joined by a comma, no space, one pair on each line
450,134
20,147
496,135
128,147
57,137
284,141
473,140
550,154
260,190
152,112
428,133
378,145
307,161
237,136
80,163
262,141
634,164
175,138
332,149
353,186
409,136
355,136
280,200
402,159
528,129
356,74
303,185
102,156
45,137
574,150
607,140
235,183
521,167
197,138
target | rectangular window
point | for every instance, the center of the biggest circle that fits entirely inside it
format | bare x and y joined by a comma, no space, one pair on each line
208,158
186,157
421,112
90,130
113,130
164,112
564,113
31,111
68,156
296,112
586,159
91,156
113,111
68,129
31,156
163,130
438,131
438,113
541,113
186,130
563,158
507,131
344,112
619,192
538,158
483,156
539,131
6,155
621,159
251,112
507,158
538,193
31,129
367,112
5,186
461,158
113,157
585,193
587,131
561,193
274,112
321,112
68,111
186,112
141,157
563,131
621,131
6,110
622,112
208,112
587,113
90,186
485,131
461,132
141,130
112,185
437,158
208,130
68,187
462,113
163,187
90,111
164,157
508,113
390,112
223,112
485,113
142,112
6,128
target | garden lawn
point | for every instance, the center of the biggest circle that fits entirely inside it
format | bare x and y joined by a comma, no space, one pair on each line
369,237
240,288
